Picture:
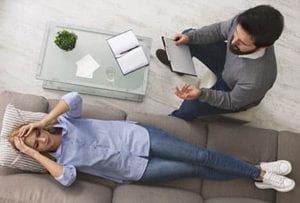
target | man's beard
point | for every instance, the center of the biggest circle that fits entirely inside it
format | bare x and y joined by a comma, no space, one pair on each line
237,51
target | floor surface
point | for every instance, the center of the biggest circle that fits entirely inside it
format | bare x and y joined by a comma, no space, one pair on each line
23,23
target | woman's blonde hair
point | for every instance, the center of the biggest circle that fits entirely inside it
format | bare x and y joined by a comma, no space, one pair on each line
12,136
11,140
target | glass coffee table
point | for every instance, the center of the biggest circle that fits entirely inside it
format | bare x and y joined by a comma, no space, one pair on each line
58,68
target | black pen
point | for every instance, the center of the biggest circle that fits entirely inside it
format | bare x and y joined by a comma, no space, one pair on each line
125,52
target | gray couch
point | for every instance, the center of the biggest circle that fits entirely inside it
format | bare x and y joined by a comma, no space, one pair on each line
251,144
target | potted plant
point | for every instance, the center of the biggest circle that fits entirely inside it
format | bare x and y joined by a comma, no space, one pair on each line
66,40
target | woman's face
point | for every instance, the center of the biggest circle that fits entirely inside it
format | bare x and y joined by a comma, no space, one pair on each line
41,140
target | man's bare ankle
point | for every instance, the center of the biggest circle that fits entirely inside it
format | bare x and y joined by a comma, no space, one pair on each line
261,174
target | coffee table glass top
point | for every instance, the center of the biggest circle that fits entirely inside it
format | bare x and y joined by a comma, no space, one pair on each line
58,67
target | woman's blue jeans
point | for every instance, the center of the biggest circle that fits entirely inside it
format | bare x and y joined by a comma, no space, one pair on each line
213,56
172,158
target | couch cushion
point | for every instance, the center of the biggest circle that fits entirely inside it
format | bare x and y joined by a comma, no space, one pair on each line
194,132
96,180
8,170
43,188
9,157
288,148
26,102
249,144
233,200
146,194
99,111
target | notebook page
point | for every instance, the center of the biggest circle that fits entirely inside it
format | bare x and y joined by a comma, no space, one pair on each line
132,60
123,42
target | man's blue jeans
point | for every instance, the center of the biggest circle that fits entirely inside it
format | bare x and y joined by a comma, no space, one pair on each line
172,158
213,56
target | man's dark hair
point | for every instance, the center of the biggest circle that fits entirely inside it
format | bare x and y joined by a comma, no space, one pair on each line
264,23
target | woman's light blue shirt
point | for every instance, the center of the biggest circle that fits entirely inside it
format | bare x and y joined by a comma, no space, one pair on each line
110,149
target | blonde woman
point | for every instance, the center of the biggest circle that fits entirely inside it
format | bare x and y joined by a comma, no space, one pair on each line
124,151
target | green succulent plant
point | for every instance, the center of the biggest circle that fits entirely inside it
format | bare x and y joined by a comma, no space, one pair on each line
66,40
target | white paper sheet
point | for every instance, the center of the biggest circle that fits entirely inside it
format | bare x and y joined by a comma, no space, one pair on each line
86,66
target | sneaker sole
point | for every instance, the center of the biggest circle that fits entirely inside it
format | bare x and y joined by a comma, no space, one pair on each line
264,186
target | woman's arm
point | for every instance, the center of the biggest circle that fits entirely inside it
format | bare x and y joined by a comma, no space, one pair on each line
60,108
51,118
66,175
70,104
52,167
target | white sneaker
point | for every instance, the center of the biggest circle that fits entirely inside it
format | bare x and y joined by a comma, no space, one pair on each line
276,182
280,167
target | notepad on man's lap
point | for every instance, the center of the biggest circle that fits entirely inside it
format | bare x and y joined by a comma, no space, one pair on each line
179,56
128,52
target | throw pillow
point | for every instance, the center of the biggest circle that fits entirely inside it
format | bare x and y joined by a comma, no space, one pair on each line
9,157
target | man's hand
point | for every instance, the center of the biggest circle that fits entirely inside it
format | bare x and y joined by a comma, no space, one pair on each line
25,130
181,39
22,147
188,92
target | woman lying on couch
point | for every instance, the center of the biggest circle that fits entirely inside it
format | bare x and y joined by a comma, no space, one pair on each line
124,151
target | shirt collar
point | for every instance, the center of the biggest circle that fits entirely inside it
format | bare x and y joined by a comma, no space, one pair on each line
57,153
255,55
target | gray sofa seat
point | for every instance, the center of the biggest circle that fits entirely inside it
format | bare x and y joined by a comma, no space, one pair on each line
140,193
233,200
251,144
34,188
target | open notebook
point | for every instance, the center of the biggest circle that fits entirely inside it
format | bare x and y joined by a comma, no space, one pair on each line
128,51
180,57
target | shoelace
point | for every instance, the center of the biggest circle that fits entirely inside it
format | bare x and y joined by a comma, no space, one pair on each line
276,168
273,178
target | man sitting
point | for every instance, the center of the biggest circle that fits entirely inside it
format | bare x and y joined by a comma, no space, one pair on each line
240,53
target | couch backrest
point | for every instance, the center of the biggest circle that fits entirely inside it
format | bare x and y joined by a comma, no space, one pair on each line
26,102
289,149
99,111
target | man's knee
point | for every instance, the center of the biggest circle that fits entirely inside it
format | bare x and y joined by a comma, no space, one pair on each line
187,111
183,115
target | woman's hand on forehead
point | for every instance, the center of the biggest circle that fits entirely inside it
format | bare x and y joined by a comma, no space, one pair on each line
22,147
25,130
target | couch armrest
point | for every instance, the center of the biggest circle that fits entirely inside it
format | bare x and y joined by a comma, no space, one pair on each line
288,148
